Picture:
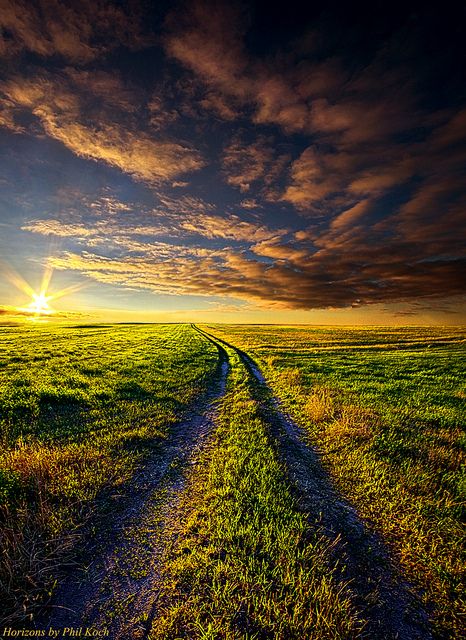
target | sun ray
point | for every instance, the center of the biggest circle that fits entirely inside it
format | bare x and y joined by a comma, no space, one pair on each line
66,291
46,279
40,301
16,279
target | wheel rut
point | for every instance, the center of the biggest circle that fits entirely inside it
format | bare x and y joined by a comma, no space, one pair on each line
365,567
116,586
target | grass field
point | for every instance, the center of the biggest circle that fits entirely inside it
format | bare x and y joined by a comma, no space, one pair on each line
385,407
244,556
80,407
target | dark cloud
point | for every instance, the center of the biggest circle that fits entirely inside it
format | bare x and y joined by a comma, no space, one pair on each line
78,32
296,283
178,253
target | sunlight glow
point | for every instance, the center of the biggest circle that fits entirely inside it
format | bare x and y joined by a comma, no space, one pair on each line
40,303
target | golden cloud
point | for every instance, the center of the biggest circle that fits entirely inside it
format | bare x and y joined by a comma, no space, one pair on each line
65,116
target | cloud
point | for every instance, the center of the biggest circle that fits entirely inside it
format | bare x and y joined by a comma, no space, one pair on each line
285,87
229,228
161,115
350,260
186,205
111,136
209,42
274,248
250,203
300,284
79,33
312,179
361,143
244,164
206,37
351,216
104,86
134,153
220,105
413,308
123,229
59,229
14,312
349,173
342,195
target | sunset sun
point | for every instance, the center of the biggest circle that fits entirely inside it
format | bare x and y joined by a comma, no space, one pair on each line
39,304
40,300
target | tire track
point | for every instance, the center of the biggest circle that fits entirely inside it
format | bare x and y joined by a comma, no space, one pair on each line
116,590
366,570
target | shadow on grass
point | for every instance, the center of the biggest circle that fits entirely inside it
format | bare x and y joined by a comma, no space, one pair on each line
366,570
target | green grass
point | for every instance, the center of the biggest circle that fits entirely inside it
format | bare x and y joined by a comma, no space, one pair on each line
245,563
385,407
79,409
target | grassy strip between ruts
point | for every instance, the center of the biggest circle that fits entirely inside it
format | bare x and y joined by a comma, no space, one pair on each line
80,407
245,563
384,408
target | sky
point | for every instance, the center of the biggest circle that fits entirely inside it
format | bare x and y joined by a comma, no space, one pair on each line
234,161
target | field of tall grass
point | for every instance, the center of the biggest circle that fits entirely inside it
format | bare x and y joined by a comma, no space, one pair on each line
385,409
80,408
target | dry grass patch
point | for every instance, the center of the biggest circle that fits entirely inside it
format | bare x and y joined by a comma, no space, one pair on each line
320,405
353,422
291,378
